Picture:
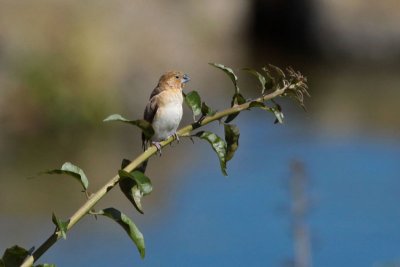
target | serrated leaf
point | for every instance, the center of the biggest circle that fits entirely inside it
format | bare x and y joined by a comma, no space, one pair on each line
145,126
230,73
218,145
61,225
232,134
14,256
135,185
206,110
237,99
193,101
128,225
72,170
262,80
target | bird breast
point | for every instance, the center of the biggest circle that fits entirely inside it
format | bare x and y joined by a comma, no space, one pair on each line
168,115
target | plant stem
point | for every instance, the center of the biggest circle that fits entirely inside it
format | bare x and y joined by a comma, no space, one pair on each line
94,198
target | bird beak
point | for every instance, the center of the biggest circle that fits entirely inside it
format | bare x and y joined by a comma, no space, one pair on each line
185,78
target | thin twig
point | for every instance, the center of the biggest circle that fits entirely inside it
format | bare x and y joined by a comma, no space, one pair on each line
95,197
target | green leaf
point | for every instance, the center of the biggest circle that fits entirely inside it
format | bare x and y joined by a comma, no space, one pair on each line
132,193
260,77
229,72
14,256
46,265
275,74
277,110
237,99
257,104
61,226
128,225
206,110
218,145
141,180
135,185
193,101
232,140
145,126
70,169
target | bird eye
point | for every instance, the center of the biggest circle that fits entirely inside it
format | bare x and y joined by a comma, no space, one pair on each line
177,76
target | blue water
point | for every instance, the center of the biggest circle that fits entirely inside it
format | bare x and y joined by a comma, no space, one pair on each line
244,220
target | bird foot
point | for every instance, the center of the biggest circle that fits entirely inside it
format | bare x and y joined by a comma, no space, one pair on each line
176,136
158,146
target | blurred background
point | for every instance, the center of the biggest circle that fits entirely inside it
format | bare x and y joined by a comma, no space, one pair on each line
320,190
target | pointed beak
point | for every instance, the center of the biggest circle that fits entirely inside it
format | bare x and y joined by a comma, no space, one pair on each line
185,78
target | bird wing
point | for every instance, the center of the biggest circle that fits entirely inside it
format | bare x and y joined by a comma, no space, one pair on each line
156,91
150,111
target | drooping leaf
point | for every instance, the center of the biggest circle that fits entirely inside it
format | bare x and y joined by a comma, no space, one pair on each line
237,99
135,185
256,104
277,110
260,77
206,110
230,73
61,226
132,193
14,256
232,134
193,101
128,225
141,180
218,145
72,170
145,126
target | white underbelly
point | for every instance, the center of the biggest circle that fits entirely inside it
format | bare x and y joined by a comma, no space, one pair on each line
166,121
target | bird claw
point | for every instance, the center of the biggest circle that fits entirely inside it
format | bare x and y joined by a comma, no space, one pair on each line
176,136
158,146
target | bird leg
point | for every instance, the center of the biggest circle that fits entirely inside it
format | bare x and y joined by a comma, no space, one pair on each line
158,146
176,136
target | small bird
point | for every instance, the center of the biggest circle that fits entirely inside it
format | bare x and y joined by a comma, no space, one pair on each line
164,110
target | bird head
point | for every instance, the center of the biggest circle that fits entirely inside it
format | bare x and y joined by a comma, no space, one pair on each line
173,80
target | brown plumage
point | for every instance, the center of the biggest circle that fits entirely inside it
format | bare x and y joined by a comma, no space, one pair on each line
164,110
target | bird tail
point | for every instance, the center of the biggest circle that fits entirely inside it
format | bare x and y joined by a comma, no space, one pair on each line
145,142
